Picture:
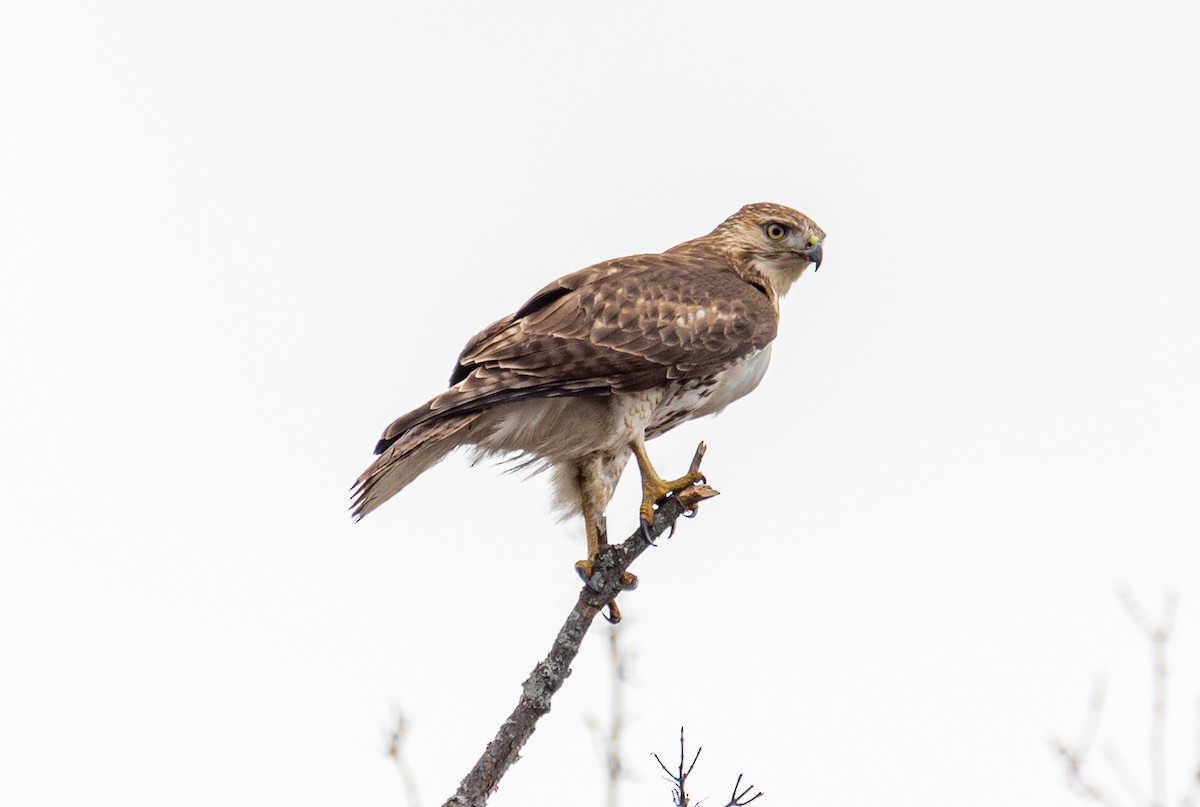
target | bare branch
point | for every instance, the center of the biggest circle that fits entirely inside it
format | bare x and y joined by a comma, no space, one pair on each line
1135,611
1159,634
1091,724
1123,772
1075,757
395,750
679,780
550,673
609,741
1080,783
1193,792
1158,726
735,800
666,770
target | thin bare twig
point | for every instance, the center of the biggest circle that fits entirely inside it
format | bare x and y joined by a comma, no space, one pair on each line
1075,756
679,780
609,741
550,673
1091,724
1193,793
1159,634
1079,782
395,750
1125,774
735,800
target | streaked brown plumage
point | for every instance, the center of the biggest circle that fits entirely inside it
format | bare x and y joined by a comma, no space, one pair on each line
604,358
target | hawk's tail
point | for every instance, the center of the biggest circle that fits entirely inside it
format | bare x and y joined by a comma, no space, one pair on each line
406,457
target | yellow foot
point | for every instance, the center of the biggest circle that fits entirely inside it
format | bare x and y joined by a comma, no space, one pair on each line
585,568
655,489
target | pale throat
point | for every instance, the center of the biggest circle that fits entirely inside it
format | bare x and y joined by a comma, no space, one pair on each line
781,272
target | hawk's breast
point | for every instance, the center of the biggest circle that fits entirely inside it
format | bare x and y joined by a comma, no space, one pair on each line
696,397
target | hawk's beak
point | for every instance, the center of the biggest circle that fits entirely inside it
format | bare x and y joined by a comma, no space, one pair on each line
814,254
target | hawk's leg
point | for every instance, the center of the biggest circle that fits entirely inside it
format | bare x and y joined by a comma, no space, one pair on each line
597,538
655,488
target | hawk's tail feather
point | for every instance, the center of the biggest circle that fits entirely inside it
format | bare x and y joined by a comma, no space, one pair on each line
408,456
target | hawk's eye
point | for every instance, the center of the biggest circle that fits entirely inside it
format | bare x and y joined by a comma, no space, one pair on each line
775,230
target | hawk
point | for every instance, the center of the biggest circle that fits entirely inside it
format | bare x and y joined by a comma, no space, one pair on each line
606,358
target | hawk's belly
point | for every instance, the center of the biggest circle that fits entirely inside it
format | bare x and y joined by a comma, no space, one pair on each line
561,429
588,439
696,398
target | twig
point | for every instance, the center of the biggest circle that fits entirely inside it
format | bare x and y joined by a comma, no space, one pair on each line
550,673
1159,634
1080,783
679,780
1075,757
609,741
735,800
1091,725
1193,793
395,750
1122,771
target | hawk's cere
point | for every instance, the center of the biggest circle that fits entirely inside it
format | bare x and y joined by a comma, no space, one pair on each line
605,358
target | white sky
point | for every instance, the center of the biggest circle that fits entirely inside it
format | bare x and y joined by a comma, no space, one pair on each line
240,237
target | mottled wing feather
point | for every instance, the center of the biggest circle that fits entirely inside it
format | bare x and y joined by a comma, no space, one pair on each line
621,326
547,295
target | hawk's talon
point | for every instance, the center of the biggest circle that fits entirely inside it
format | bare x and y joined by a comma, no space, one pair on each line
614,613
645,528
584,569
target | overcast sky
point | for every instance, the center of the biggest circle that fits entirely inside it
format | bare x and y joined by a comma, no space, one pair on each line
238,238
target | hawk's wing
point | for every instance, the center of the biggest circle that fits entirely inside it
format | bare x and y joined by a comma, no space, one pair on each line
619,326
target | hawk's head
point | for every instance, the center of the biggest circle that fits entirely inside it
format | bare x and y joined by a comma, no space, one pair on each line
777,241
